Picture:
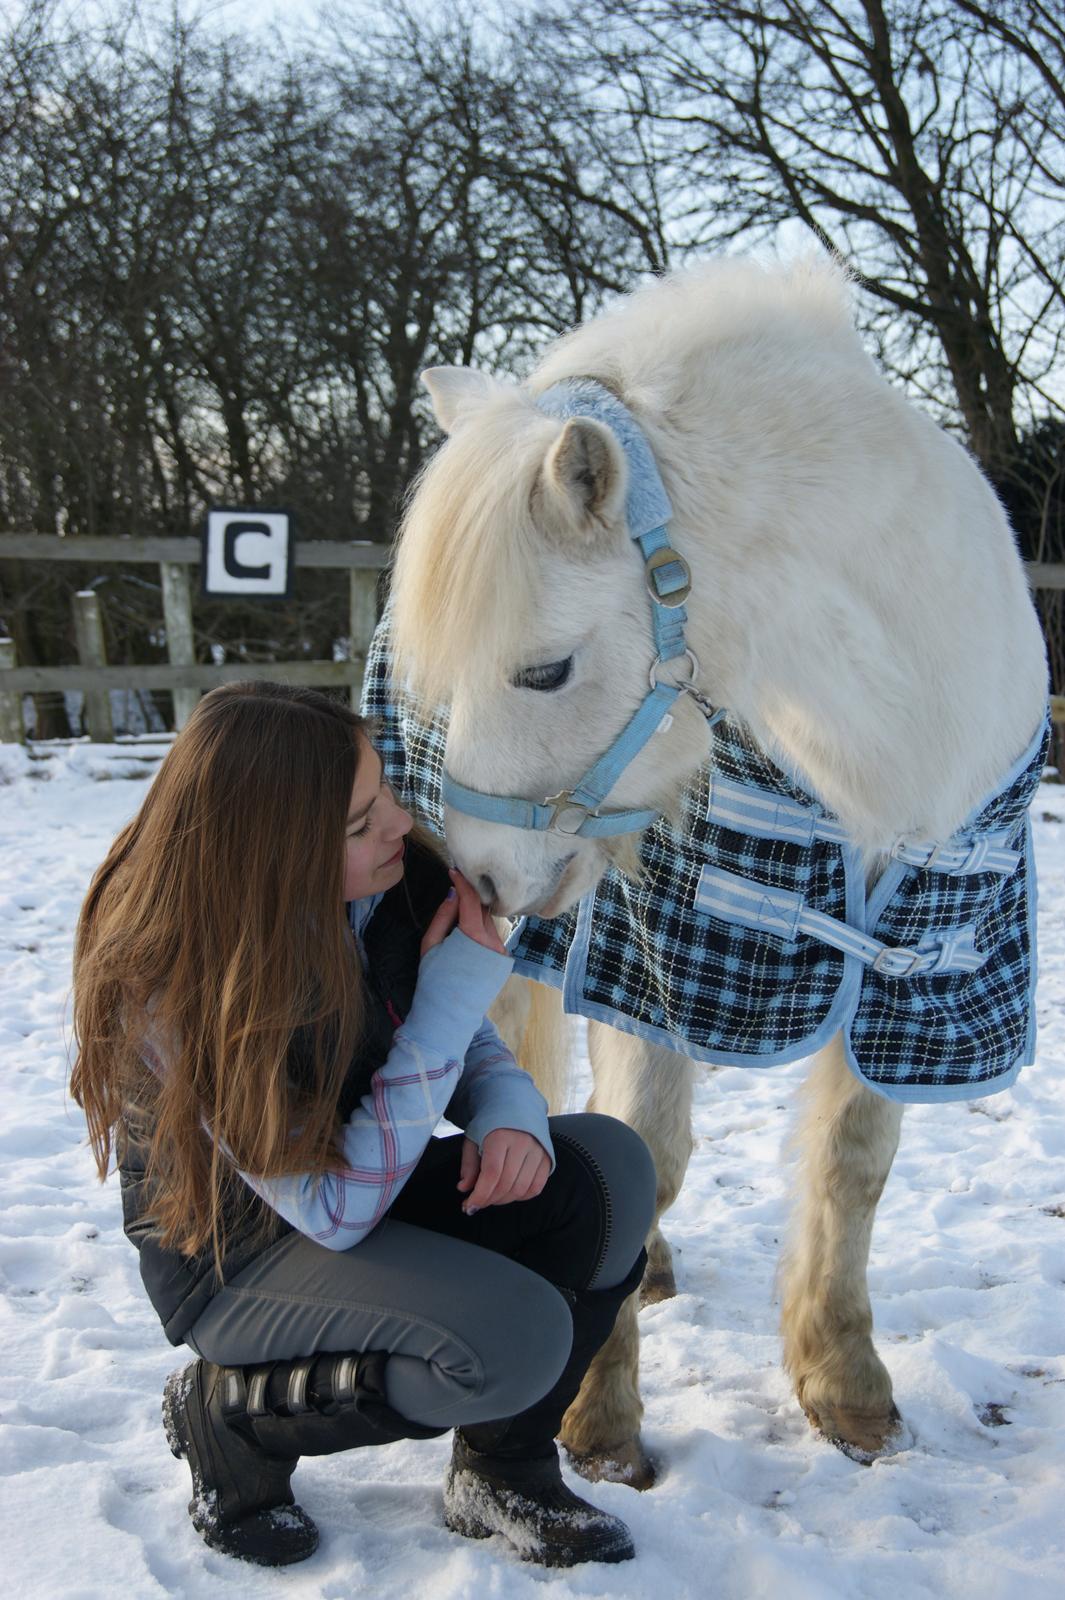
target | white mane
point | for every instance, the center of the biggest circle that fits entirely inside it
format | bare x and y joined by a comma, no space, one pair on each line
469,561
643,345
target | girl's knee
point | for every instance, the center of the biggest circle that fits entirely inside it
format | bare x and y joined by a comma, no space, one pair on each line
617,1161
524,1347
624,1161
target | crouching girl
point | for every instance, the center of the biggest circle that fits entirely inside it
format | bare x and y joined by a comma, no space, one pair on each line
279,992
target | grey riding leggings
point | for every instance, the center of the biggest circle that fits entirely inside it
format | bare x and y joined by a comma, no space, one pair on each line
472,1310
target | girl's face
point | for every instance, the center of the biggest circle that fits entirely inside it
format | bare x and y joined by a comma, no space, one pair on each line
377,823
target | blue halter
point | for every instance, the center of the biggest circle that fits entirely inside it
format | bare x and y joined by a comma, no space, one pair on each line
576,811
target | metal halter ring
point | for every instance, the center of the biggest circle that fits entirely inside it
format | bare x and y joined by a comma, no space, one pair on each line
693,660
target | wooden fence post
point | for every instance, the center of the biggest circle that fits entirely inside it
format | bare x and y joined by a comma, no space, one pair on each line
180,647
363,621
12,730
89,638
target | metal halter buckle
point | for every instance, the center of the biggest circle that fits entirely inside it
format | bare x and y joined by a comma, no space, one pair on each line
666,557
569,815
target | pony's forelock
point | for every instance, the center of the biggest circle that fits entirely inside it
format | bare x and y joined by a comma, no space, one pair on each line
469,560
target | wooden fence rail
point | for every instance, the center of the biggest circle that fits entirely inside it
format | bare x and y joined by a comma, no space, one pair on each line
184,677
197,675
151,550
1044,575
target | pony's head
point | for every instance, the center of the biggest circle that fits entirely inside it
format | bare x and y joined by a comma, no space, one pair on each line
520,603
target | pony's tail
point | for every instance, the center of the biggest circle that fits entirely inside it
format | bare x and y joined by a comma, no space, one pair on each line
533,1025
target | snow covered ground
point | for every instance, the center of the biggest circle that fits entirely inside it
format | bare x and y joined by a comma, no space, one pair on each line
968,1281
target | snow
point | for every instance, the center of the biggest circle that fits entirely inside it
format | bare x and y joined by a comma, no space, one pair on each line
967,1276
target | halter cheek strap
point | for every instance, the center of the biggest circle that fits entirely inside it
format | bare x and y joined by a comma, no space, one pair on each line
576,811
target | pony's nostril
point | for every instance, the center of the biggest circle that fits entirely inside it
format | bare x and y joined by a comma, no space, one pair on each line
486,889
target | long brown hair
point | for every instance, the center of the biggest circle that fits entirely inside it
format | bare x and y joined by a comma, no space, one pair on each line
212,932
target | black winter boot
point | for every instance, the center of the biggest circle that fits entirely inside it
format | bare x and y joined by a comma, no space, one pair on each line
505,1477
242,1430
527,1502
242,1501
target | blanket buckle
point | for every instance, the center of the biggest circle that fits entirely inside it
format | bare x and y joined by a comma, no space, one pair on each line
896,961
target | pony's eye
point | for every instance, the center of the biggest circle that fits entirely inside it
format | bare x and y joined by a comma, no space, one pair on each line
550,676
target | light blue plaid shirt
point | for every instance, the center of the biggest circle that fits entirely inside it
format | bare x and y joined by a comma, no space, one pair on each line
446,1059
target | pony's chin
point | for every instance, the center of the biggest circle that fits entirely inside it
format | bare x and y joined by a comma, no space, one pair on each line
581,874
554,907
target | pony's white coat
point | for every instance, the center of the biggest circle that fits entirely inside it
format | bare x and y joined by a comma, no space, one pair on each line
857,600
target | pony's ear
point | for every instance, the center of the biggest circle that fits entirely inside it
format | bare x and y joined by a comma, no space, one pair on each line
453,389
585,470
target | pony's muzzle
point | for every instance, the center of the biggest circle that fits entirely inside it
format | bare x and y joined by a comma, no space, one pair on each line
487,890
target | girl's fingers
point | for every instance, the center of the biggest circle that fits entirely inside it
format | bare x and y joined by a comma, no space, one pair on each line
522,1189
541,1173
475,920
540,1176
444,919
523,1175
508,1178
468,902
533,1174
492,1180
514,1166
470,1164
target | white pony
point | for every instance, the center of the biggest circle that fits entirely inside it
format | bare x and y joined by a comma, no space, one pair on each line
856,602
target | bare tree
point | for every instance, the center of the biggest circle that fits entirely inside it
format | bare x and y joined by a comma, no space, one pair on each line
224,263
925,143
458,220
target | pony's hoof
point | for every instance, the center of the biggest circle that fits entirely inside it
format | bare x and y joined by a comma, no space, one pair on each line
624,1463
862,1435
657,1286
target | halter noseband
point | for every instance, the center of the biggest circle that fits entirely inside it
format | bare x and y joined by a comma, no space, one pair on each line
575,811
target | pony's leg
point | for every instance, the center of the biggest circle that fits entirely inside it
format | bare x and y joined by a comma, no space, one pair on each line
847,1138
532,1024
649,1088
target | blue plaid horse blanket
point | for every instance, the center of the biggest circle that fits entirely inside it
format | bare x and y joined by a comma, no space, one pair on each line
750,939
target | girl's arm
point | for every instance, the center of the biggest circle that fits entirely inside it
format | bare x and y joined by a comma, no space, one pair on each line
388,1131
494,1092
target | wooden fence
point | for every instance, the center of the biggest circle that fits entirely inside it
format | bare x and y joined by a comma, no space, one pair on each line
183,675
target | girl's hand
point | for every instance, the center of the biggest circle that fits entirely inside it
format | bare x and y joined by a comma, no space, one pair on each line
475,920
444,919
463,906
514,1166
